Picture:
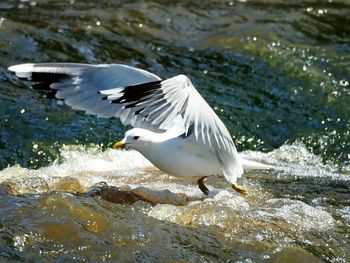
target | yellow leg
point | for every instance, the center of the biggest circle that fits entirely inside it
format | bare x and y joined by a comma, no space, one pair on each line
201,185
240,189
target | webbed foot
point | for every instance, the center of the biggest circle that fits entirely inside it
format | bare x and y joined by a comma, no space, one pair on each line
201,185
240,189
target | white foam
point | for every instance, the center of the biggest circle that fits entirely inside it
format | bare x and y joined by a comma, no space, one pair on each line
85,166
220,210
229,199
95,160
296,213
296,160
344,213
115,167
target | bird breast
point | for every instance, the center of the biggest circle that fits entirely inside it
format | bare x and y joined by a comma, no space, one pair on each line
183,158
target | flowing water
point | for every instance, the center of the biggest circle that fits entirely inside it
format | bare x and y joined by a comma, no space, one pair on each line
276,72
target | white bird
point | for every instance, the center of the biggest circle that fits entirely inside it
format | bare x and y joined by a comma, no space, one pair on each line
174,127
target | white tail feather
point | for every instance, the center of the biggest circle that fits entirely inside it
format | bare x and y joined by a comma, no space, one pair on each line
252,165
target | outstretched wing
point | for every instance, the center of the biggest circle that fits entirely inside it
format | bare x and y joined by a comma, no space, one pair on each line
138,98
79,84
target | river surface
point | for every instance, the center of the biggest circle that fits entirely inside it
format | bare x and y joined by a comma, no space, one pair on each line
276,72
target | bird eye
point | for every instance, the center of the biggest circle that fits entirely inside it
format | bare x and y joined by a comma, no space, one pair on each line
136,137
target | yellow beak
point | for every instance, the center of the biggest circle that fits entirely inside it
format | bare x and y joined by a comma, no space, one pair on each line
119,145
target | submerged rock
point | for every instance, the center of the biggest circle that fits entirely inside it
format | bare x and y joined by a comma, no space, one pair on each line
21,180
163,196
293,255
67,185
5,189
114,194
27,185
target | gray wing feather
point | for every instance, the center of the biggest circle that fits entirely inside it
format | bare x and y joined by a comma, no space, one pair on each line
79,84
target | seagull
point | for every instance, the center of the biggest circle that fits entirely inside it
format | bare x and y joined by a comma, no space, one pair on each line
173,126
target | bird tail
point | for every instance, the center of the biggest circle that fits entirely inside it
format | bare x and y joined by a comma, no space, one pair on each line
252,165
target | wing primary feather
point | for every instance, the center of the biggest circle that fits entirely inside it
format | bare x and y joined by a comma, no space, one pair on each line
137,112
158,108
148,99
161,116
136,92
202,133
208,135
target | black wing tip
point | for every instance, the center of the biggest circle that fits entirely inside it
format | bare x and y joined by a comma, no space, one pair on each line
135,93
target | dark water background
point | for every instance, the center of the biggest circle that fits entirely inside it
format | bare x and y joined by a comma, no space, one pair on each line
276,72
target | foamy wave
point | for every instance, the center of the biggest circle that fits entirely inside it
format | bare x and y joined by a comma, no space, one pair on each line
129,168
296,160
88,167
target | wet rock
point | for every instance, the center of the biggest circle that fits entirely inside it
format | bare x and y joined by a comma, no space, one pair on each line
21,180
5,189
163,196
115,195
67,185
69,209
293,255
27,185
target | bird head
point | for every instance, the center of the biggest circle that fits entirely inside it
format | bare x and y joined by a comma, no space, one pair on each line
136,139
